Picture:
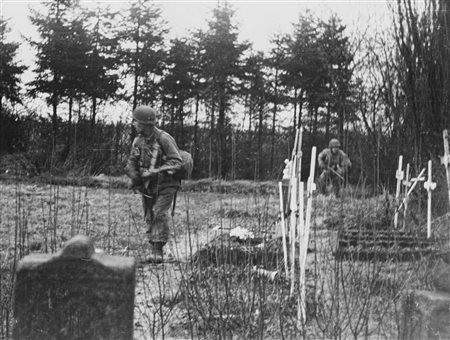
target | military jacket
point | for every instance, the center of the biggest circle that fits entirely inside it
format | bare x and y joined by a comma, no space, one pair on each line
159,151
334,161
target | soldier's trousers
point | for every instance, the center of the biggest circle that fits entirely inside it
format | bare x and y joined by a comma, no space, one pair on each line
156,214
325,178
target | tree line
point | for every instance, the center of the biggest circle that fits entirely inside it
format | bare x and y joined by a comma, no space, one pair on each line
381,94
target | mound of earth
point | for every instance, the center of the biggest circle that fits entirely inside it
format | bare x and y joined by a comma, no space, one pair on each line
226,249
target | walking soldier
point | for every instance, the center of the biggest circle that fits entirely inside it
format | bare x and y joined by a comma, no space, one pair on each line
152,163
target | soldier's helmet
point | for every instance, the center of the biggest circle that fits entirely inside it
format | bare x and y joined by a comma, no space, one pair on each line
144,115
334,143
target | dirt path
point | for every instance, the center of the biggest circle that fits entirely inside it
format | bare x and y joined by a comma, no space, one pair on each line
158,309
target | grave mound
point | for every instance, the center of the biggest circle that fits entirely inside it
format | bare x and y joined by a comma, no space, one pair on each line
383,245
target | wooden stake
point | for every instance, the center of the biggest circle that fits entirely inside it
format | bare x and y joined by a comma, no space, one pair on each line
295,160
399,175
294,149
299,153
429,186
293,227
283,229
301,312
311,186
445,160
414,181
406,184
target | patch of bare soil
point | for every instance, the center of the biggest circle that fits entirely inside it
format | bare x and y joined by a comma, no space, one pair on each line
198,223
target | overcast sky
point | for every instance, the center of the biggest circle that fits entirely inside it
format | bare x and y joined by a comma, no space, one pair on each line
257,21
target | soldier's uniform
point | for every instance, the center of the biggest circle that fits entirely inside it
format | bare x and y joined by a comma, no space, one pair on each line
334,166
158,153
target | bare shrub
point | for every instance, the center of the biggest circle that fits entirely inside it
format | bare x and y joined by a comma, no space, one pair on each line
189,299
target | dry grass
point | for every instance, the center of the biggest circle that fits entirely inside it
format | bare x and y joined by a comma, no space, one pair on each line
185,300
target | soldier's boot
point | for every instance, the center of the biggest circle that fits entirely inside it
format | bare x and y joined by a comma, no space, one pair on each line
337,188
323,187
156,253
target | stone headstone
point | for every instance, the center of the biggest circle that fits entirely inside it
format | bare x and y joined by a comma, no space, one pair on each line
441,277
74,294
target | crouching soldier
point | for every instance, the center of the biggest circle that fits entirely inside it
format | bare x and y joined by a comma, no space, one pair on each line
334,163
153,160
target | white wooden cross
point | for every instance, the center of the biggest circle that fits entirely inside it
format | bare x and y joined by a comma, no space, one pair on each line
301,309
310,187
293,229
283,228
445,160
429,186
296,160
399,175
414,182
406,183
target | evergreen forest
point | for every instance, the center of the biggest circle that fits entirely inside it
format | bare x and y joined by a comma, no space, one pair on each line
382,92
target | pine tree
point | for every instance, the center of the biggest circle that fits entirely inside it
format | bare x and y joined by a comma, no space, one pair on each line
102,60
10,70
141,35
276,91
222,71
177,85
338,58
54,50
254,90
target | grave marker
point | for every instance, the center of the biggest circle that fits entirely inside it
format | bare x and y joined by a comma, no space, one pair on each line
293,227
399,176
414,182
310,187
407,184
74,294
429,185
303,249
445,160
283,228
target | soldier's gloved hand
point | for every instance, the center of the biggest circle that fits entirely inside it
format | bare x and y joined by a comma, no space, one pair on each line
139,188
135,182
145,174
136,185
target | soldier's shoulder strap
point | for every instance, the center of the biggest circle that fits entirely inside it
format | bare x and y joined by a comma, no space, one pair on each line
325,153
137,140
158,135
343,154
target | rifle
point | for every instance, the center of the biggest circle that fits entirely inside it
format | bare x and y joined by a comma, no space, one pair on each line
336,173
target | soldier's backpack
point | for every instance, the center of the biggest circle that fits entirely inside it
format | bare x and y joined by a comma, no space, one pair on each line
186,167
187,162
184,172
